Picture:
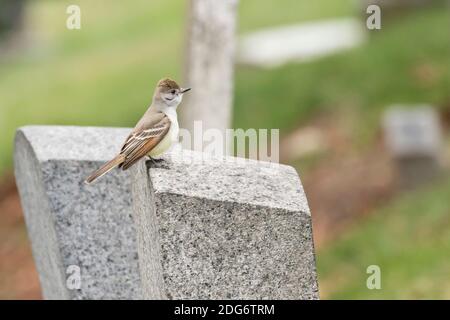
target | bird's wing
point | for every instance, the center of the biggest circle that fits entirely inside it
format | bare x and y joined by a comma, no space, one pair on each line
147,134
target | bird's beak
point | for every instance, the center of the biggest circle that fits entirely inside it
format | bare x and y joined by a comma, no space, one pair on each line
183,90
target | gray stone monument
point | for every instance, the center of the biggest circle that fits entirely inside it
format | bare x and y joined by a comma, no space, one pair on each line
186,228
72,224
223,229
413,137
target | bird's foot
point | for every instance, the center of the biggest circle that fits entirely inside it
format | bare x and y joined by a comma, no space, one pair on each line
156,163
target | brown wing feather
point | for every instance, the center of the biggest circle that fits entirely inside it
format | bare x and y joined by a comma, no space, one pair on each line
143,140
139,153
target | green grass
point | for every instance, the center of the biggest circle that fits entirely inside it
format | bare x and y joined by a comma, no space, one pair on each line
408,239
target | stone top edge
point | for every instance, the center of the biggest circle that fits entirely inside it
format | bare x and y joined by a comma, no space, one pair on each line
73,142
230,179
88,143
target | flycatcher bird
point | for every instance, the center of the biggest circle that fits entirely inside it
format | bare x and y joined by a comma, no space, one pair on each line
154,133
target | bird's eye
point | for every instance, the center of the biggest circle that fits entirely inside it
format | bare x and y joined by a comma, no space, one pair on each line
173,91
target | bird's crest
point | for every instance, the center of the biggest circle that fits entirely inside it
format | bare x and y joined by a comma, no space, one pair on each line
168,84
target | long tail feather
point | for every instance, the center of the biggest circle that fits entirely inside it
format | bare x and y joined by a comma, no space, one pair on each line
105,168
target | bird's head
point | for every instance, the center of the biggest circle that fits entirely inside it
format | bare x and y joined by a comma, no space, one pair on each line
169,93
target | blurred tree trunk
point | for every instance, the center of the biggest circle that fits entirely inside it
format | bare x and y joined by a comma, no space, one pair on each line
209,65
11,14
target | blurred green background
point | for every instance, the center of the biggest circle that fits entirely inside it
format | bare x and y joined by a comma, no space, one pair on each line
104,74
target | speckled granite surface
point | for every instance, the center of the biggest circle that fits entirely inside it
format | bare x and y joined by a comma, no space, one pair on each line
223,229
70,223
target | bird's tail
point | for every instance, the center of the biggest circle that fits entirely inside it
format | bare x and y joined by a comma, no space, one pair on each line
105,168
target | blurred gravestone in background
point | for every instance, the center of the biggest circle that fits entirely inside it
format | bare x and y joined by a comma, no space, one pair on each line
414,139
302,42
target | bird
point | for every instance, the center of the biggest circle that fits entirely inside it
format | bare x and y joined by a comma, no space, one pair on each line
153,134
